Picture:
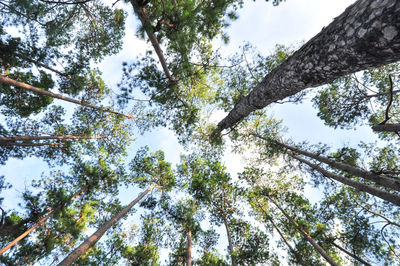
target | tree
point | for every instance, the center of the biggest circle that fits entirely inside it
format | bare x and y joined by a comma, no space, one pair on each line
334,52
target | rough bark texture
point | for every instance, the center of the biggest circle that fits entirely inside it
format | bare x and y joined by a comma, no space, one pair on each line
387,128
366,34
317,247
74,255
8,81
387,196
382,180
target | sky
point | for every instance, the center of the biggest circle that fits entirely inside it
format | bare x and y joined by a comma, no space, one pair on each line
259,23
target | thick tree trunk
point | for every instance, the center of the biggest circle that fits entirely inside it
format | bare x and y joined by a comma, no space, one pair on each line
14,138
8,81
144,19
317,247
27,232
387,128
74,255
366,34
387,196
352,255
381,180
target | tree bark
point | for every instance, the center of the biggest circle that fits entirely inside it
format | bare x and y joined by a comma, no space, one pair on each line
189,248
351,254
228,234
144,19
365,35
269,218
12,143
382,180
27,232
14,138
320,250
8,81
386,128
74,255
387,196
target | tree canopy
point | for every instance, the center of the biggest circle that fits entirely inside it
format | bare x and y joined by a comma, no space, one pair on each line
243,191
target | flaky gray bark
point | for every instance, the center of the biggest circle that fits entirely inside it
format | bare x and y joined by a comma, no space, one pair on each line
314,243
8,81
382,194
74,255
366,34
387,128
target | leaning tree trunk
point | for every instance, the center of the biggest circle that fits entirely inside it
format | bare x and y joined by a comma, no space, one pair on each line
74,255
14,138
354,256
382,194
269,218
317,247
387,128
144,19
11,82
366,34
381,180
27,232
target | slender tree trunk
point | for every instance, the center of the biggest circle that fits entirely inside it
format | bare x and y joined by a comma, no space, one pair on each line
366,34
12,143
228,234
14,138
386,128
269,218
42,65
382,180
144,19
387,196
74,255
351,254
8,81
189,248
27,232
320,250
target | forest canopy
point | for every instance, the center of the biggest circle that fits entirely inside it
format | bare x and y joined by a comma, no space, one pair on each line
92,90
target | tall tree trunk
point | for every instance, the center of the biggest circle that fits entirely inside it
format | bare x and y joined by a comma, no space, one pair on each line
74,255
189,248
382,194
144,19
320,250
366,34
14,138
386,128
382,180
351,254
13,143
27,232
228,234
269,218
11,82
